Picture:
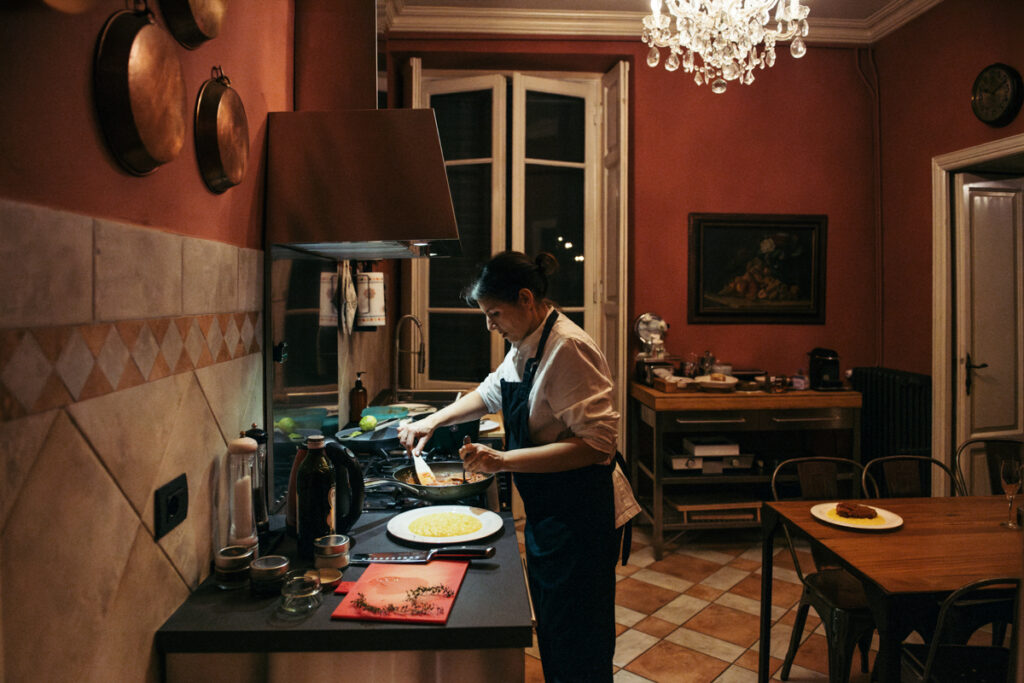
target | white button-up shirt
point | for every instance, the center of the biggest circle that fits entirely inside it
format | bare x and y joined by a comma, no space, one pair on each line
571,396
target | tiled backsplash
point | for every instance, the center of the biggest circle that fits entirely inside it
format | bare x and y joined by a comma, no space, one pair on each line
128,356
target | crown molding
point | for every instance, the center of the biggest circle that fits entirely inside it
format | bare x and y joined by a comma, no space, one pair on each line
396,15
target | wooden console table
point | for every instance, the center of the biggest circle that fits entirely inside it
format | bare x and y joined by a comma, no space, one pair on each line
771,427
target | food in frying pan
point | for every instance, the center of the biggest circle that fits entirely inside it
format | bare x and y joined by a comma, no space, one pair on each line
453,479
855,511
442,524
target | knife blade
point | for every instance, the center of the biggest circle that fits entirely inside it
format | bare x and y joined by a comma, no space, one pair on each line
454,552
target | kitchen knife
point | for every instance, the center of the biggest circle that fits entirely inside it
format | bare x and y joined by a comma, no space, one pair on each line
453,552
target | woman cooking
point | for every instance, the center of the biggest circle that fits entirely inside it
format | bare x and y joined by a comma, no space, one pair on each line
555,392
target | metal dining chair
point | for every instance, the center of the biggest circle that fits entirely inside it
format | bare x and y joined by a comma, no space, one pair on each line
986,481
906,476
836,595
946,658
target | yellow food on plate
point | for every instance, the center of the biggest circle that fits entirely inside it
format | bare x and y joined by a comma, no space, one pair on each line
877,520
443,524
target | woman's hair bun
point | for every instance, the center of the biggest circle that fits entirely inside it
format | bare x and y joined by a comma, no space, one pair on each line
547,263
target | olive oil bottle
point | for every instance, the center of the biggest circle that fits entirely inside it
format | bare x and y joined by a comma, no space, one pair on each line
314,490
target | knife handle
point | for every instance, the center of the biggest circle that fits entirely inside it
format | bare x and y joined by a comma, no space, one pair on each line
462,552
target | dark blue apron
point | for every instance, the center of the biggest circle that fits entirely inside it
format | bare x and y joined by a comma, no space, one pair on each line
571,548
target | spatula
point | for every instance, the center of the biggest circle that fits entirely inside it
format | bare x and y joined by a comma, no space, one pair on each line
424,474
454,552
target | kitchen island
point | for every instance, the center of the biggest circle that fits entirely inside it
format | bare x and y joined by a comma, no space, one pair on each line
231,636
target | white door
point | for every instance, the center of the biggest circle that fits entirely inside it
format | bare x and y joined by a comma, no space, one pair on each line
990,324
610,289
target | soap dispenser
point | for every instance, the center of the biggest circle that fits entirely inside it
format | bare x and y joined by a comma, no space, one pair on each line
357,400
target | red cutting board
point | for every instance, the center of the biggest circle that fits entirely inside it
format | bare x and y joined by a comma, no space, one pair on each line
420,593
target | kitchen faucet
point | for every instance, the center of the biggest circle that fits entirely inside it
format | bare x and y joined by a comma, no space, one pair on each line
421,360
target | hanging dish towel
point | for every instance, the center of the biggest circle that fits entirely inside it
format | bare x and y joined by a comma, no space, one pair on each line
349,300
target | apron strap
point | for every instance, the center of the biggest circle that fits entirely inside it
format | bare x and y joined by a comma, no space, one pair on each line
531,365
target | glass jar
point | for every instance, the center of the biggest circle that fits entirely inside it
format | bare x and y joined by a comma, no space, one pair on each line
241,520
231,566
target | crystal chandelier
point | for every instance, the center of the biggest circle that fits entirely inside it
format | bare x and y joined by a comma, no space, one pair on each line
720,40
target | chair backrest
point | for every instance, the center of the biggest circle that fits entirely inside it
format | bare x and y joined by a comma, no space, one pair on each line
815,478
970,607
905,476
980,477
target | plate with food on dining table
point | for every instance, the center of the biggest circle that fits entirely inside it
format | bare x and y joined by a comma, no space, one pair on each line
854,515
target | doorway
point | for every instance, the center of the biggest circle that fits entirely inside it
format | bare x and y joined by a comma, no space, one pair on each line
1002,156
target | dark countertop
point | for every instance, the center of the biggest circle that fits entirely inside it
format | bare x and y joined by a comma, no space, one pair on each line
491,610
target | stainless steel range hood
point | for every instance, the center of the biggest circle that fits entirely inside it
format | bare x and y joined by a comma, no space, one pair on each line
360,184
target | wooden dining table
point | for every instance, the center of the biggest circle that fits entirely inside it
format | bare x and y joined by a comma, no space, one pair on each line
942,544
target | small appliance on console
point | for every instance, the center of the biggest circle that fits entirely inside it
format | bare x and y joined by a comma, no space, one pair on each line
824,369
650,328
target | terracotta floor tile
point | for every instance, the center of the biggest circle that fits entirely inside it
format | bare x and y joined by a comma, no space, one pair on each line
745,564
619,628
726,624
627,570
704,592
534,672
686,566
656,627
784,593
813,654
670,663
641,596
748,660
812,619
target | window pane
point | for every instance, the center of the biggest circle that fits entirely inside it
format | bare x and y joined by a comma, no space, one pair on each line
464,124
554,127
575,316
554,222
469,359
471,196
312,351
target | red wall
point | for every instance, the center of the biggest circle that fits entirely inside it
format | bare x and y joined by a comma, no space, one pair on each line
799,140
926,71
52,151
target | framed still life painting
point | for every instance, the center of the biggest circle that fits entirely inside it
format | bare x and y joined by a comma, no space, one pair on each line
756,268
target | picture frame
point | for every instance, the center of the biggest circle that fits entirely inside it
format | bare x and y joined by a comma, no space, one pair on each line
756,268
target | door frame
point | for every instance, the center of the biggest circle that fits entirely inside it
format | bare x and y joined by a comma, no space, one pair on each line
943,168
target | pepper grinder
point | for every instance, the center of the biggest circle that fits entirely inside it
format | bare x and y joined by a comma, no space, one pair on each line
241,520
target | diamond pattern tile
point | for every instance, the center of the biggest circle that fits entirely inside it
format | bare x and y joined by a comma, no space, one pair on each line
52,367
693,616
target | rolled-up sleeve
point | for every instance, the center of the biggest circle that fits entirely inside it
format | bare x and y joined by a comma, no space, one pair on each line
490,388
581,395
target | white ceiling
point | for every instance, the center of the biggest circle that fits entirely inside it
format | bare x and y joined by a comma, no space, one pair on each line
831,21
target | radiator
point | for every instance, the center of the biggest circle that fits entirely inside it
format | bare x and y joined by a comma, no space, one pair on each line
896,417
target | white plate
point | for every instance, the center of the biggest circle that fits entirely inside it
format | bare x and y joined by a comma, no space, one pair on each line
399,524
885,520
415,408
488,425
705,382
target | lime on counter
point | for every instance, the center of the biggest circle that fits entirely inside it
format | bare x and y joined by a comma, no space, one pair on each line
286,425
367,423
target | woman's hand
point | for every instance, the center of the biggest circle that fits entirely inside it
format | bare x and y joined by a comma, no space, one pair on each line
414,435
480,458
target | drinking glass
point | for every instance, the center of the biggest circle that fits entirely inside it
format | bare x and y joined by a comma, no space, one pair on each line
1009,475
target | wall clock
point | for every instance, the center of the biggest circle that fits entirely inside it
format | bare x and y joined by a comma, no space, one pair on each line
997,94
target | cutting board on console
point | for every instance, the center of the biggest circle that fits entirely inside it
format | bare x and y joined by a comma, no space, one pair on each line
420,593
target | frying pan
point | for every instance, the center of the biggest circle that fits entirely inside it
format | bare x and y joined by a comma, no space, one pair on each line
405,479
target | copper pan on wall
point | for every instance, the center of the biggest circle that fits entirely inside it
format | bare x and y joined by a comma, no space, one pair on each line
139,91
193,22
221,132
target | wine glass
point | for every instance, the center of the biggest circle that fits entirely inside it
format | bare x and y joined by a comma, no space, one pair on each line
1009,475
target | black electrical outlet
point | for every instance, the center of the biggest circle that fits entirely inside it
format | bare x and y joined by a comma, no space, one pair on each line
171,505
